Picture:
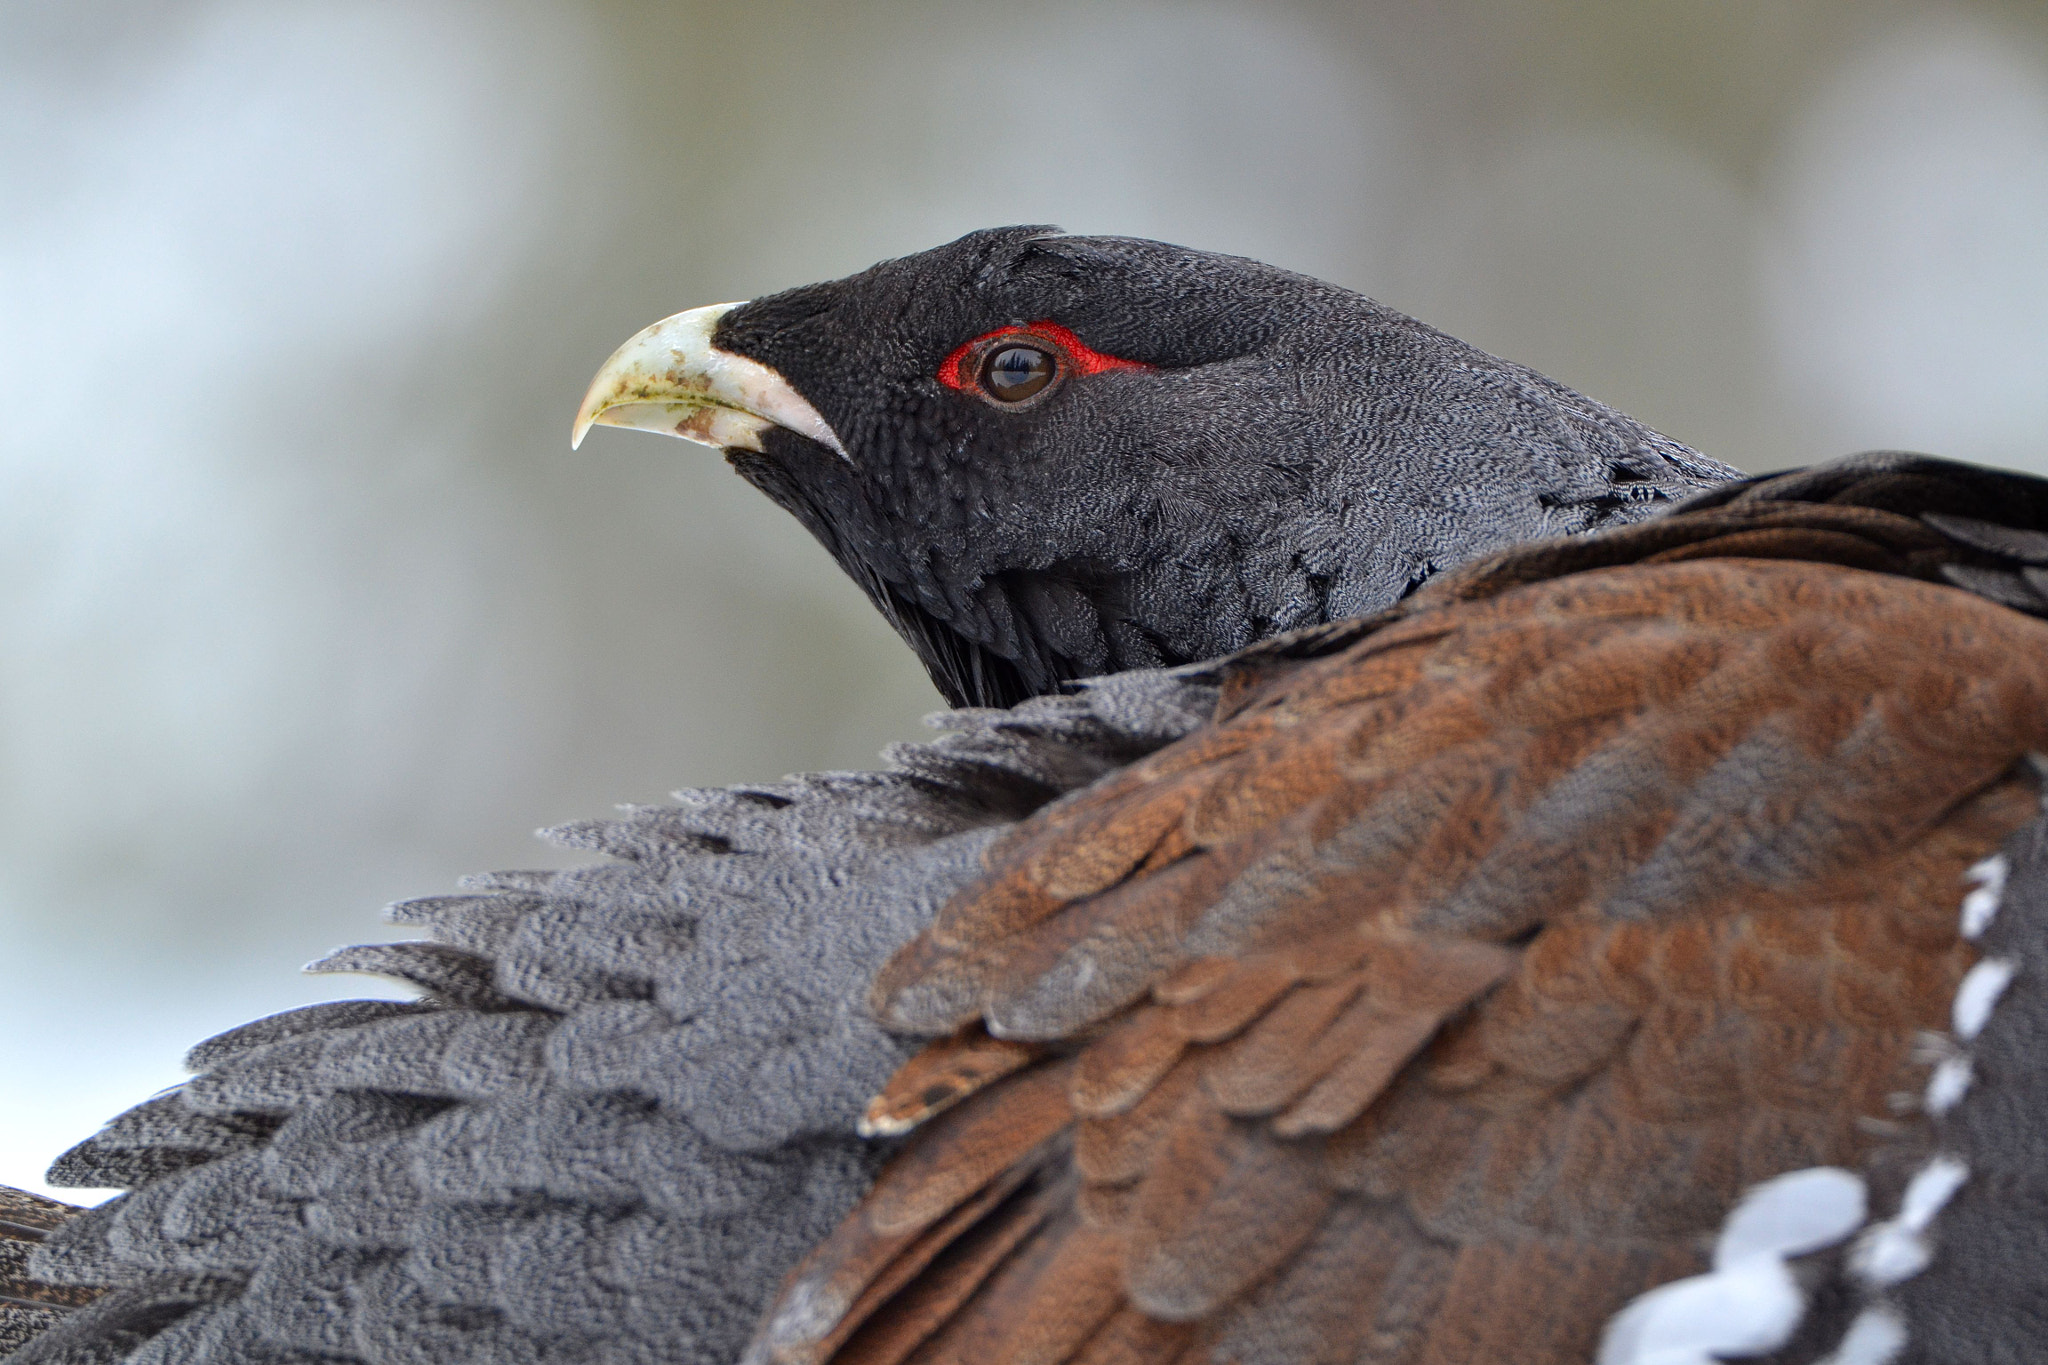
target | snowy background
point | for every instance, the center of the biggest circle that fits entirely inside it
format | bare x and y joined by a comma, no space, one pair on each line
305,605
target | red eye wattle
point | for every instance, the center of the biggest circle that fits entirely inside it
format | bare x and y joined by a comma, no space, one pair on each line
962,369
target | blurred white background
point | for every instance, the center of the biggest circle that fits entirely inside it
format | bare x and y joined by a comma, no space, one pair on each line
306,606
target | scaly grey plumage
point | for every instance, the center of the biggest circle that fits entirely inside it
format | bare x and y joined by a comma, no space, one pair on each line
624,1109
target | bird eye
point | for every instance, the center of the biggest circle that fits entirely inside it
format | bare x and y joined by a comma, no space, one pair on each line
1012,374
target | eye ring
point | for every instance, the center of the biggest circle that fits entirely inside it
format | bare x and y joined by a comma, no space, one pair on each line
966,367
1015,371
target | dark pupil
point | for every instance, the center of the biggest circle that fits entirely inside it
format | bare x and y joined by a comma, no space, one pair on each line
1016,372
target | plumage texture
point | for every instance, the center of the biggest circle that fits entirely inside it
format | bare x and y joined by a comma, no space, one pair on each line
28,1306
1450,990
1441,995
626,1108
1982,1293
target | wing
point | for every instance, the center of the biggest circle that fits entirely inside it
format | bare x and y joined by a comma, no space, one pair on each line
622,1112
27,1305
1449,991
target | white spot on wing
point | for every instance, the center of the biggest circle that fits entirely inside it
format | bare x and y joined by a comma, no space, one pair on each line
1889,1254
1750,1303
1982,985
1932,1188
1981,904
1896,1250
1791,1215
1742,1311
1874,1338
1947,1086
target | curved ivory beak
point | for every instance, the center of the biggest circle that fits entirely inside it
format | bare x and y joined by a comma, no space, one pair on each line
671,379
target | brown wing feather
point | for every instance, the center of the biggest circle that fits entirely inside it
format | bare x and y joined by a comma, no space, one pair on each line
1446,992
961,1170
1059,1293
940,1077
917,1294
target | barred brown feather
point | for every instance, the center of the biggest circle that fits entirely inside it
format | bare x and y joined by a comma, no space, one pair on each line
1445,993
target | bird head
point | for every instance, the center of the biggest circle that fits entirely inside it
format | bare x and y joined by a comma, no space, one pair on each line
1046,457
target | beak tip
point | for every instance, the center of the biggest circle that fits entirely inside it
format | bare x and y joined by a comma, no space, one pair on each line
589,411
